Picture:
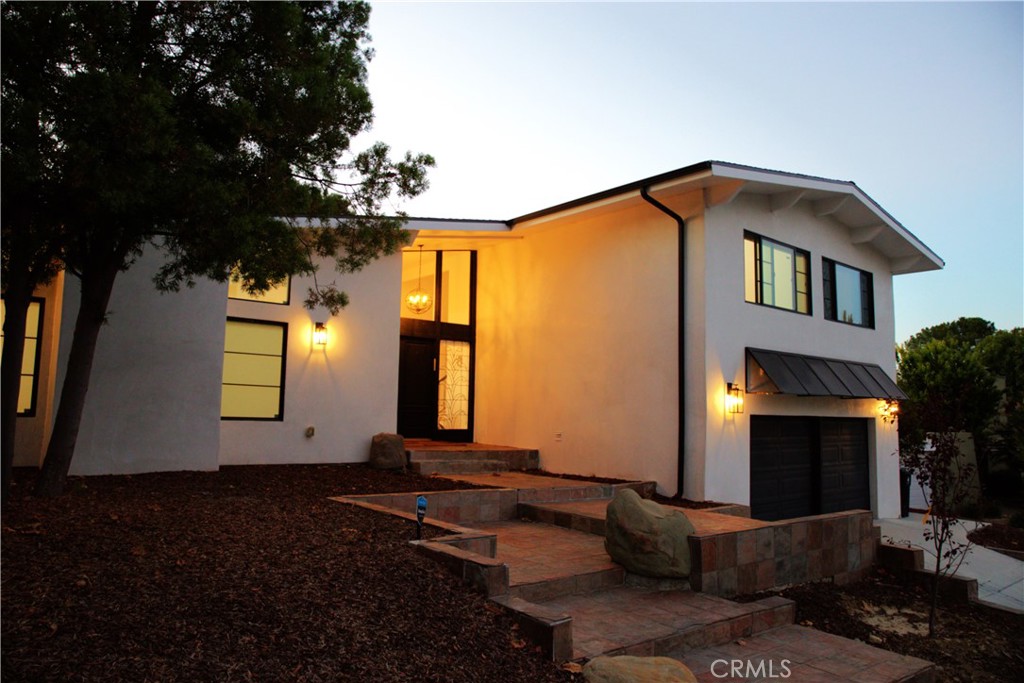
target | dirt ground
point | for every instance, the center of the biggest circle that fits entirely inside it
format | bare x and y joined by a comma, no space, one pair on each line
247,574
251,574
974,643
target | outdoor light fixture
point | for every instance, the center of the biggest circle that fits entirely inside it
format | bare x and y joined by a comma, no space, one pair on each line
319,334
418,300
733,398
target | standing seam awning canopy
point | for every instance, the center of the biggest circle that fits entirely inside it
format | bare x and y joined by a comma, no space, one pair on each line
777,372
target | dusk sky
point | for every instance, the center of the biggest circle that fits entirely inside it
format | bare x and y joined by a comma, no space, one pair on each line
921,104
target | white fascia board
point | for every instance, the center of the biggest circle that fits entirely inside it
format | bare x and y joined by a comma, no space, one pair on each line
609,201
790,181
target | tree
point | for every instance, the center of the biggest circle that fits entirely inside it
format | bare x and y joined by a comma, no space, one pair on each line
194,127
1003,354
968,331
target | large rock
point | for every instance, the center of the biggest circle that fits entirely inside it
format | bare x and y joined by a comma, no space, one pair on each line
387,452
636,670
647,538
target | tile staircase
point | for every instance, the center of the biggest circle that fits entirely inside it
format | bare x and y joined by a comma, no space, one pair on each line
548,566
432,457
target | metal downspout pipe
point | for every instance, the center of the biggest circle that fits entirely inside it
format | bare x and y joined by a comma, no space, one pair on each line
681,466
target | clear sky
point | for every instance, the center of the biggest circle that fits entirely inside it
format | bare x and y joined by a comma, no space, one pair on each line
527,105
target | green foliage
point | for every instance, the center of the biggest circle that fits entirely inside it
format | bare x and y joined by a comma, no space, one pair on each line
197,127
968,331
1017,520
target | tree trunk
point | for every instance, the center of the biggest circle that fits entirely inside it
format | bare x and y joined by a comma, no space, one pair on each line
92,311
936,575
16,303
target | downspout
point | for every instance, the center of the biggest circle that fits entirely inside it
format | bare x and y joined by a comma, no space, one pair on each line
681,467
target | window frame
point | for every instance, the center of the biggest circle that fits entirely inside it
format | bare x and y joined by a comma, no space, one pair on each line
830,293
758,241
284,367
254,298
33,404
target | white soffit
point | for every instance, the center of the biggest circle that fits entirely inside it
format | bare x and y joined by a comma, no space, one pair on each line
867,222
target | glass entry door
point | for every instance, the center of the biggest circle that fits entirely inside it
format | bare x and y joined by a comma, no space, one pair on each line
436,365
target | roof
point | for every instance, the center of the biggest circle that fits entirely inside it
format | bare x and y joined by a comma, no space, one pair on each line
720,181
779,372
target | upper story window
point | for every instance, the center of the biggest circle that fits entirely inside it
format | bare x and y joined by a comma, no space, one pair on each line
253,384
30,359
848,293
776,274
277,294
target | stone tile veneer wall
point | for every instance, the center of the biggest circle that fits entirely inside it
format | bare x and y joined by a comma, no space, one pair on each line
840,546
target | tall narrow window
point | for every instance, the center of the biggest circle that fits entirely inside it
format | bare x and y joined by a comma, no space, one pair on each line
30,360
848,294
253,386
776,274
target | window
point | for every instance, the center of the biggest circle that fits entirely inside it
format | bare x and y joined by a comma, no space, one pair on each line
277,294
253,386
30,360
848,293
776,274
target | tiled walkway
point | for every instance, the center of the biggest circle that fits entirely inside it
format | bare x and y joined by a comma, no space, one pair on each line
539,552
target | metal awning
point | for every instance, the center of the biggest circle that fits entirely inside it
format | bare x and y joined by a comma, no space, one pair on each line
777,372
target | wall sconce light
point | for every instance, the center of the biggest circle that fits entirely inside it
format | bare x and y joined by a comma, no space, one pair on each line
319,334
889,410
733,398
418,300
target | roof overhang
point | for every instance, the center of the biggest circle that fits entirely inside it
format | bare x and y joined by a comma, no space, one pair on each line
778,372
692,189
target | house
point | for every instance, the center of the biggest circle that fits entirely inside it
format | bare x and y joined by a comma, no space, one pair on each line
726,331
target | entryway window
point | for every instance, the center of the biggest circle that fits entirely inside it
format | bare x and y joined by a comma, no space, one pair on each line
453,385
253,385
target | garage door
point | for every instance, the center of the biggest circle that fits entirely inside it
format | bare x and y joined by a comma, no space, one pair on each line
803,466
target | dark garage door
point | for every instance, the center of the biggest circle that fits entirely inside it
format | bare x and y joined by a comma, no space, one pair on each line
806,465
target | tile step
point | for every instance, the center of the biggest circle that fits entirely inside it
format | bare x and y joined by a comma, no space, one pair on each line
428,467
517,459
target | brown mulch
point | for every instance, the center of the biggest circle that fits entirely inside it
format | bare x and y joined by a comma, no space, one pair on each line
974,643
247,574
999,537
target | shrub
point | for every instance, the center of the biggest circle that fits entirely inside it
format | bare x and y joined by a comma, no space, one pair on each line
1017,520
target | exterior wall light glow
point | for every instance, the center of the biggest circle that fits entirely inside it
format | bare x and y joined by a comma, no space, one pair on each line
733,399
418,300
319,334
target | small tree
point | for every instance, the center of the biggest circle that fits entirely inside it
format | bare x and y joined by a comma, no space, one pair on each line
947,478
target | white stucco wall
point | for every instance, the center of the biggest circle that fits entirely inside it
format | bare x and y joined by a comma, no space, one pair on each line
154,396
577,337
347,391
732,325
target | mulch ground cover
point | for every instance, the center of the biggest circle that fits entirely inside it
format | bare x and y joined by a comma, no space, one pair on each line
247,574
974,643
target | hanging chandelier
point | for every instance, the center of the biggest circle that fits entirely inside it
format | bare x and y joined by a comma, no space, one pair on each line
417,300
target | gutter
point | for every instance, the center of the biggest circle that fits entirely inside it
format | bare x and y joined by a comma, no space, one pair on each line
681,446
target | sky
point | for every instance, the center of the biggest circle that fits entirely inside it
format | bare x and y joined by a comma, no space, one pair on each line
528,105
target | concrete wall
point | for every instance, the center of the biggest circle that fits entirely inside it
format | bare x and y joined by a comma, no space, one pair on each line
347,391
154,397
732,325
577,337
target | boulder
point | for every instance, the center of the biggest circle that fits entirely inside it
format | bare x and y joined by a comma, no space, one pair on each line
636,670
647,538
387,452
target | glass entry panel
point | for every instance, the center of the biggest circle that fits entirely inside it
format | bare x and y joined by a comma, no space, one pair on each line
453,385
436,364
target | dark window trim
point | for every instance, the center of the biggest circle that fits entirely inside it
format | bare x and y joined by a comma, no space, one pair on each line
37,361
284,365
758,290
828,279
287,300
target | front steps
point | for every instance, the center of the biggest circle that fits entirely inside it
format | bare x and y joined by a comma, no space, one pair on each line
433,457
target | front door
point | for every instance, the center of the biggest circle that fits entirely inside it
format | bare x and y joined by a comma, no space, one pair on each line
437,355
